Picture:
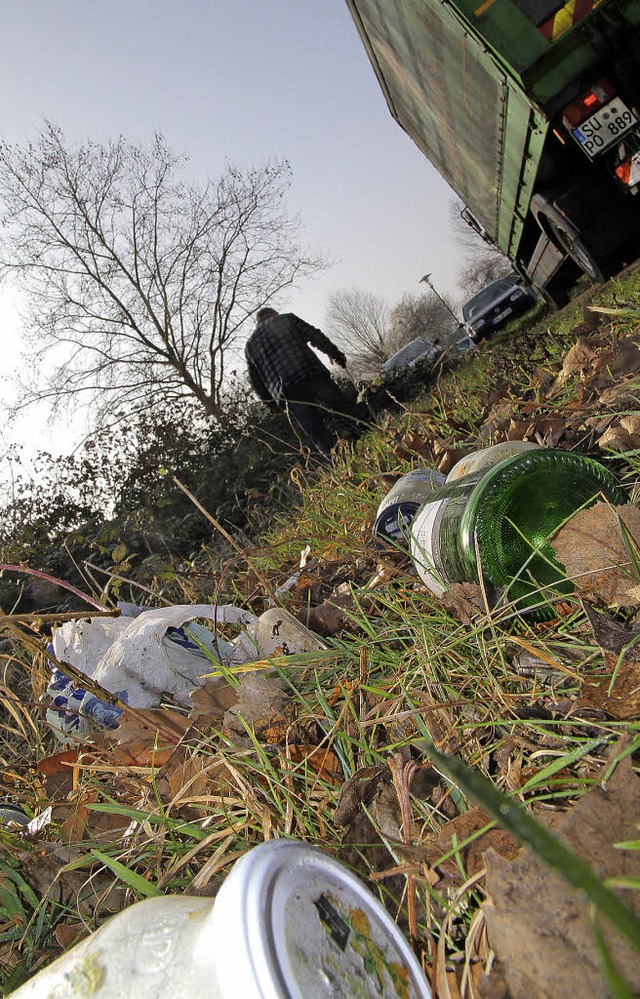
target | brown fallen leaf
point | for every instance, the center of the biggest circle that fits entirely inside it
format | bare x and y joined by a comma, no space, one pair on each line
189,778
611,635
622,435
329,617
550,429
70,933
321,760
519,429
212,699
594,551
577,361
540,926
359,789
623,700
450,458
465,601
263,707
622,395
624,359
45,870
459,829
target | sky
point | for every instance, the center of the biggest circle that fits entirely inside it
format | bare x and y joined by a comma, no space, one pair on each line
241,81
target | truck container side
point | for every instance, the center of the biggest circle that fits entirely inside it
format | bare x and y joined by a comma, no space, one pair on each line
530,110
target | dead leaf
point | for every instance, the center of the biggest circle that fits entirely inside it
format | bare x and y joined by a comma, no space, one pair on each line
67,934
212,699
540,926
356,791
593,550
611,636
57,771
62,762
464,601
624,359
321,760
578,360
616,438
262,706
550,429
44,870
623,701
415,444
450,458
74,827
329,617
190,775
621,395
460,829
622,435
518,430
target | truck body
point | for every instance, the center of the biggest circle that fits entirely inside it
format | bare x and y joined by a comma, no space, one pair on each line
530,109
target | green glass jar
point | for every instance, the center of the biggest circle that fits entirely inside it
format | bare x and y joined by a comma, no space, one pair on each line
504,515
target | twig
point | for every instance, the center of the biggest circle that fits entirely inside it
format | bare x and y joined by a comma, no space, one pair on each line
225,534
36,618
402,774
53,579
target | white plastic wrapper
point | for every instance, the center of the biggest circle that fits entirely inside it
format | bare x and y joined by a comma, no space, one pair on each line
139,659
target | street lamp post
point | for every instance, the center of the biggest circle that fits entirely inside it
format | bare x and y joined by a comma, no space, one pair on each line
426,279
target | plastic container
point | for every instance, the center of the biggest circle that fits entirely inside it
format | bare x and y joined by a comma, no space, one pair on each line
275,633
508,511
288,923
397,510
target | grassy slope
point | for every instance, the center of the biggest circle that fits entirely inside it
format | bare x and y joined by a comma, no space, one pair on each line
402,674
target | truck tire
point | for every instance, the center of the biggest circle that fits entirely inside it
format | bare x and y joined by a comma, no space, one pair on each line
574,245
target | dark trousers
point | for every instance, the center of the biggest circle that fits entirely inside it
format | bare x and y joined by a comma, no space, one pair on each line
317,405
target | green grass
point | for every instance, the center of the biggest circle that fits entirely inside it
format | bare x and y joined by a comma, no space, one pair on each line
404,684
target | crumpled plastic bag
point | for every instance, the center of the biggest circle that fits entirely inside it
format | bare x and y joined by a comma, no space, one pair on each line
138,658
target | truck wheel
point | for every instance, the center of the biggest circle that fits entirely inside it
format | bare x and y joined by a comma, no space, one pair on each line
577,250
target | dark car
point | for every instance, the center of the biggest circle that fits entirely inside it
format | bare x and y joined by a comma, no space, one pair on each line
495,305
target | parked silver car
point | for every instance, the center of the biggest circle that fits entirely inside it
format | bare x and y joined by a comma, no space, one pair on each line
419,351
495,305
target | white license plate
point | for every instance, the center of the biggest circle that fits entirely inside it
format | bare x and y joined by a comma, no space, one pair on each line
501,316
605,127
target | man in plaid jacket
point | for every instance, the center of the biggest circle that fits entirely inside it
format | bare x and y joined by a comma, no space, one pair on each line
283,370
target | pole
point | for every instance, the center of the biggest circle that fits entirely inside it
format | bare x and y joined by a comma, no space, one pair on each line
426,278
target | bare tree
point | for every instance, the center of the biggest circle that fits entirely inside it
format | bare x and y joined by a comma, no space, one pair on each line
483,261
135,279
361,323
425,316
369,331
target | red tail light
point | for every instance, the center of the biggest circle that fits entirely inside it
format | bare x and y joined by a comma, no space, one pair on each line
576,112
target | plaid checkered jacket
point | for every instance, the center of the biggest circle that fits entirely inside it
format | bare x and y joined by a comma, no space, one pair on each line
278,355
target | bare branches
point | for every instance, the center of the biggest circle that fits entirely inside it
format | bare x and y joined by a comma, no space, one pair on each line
361,323
370,331
131,271
481,261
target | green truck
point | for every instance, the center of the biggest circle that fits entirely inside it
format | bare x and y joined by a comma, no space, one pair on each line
530,109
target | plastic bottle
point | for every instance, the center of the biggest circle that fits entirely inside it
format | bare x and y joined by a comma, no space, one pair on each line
488,456
397,510
288,923
508,510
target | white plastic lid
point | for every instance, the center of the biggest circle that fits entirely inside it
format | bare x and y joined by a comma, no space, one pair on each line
291,923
